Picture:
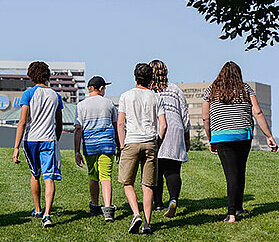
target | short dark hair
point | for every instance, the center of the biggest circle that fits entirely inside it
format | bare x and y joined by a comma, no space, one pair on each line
143,73
38,72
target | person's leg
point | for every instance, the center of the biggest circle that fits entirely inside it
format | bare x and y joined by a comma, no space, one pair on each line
36,193
244,148
93,175
173,179
107,192
158,190
132,198
94,191
149,176
49,194
128,167
229,157
105,163
50,164
31,151
147,202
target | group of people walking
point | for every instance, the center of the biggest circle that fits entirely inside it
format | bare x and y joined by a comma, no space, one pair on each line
151,128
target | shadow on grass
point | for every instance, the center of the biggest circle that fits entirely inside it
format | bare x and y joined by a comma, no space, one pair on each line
263,208
75,215
197,219
126,211
207,203
14,218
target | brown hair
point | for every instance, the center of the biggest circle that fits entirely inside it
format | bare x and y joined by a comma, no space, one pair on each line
228,87
159,78
143,74
38,72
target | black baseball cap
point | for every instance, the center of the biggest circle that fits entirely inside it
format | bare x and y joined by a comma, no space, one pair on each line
97,82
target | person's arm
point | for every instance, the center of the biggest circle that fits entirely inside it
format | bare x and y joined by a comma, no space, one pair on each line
118,151
206,124
58,123
77,140
162,126
121,129
261,121
20,131
185,120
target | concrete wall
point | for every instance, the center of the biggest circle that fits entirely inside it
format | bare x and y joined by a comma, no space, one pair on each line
8,138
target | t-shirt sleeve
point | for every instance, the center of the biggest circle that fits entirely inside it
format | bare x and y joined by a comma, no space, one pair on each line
26,97
161,106
78,116
122,108
60,103
114,113
206,94
249,90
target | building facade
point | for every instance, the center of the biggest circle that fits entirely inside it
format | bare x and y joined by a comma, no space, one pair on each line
194,92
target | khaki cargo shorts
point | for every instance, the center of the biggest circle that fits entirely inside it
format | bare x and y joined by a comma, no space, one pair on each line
134,154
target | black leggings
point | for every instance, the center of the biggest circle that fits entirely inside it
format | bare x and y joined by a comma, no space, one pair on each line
171,170
233,156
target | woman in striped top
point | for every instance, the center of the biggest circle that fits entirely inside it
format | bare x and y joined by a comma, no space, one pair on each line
228,108
172,152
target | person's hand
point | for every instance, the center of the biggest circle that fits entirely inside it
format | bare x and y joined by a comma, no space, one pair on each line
159,141
118,154
15,156
79,159
187,144
213,149
272,144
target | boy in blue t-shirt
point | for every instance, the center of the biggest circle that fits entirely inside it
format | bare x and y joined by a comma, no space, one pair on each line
41,125
96,125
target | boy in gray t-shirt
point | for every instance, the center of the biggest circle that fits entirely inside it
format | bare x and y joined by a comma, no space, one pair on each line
139,111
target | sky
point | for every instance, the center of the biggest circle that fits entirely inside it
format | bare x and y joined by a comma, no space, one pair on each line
112,36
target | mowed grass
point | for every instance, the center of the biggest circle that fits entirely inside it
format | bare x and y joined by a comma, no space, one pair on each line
203,204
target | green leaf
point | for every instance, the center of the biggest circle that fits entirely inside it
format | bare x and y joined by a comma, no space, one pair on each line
233,34
197,4
276,38
225,36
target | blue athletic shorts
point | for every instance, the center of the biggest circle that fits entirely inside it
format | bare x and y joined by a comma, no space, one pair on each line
43,156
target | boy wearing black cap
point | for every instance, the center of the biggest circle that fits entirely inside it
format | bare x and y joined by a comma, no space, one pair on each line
96,124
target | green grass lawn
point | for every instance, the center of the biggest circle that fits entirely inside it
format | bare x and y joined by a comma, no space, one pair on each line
203,204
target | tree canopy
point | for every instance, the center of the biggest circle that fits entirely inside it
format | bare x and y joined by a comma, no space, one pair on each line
257,20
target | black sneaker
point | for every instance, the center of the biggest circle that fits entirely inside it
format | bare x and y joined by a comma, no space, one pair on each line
46,221
146,228
36,214
135,224
171,209
94,210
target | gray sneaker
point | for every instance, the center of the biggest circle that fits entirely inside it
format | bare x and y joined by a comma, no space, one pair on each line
109,213
94,210
135,224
